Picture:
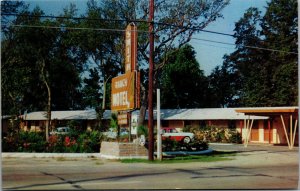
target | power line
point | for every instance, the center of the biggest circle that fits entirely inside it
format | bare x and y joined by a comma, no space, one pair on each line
217,46
122,30
252,47
71,18
117,20
72,28
194,28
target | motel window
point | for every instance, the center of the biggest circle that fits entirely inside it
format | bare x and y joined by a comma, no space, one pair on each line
187,123
164,123
28,124
202,124
231,124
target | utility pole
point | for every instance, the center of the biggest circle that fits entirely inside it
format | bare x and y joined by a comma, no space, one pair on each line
150,87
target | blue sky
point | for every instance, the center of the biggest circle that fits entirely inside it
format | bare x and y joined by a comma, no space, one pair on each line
209,54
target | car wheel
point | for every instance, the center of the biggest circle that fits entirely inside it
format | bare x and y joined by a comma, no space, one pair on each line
186,140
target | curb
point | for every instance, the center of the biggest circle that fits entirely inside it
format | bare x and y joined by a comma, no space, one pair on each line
51,155
122,157
67,155
185,153
222,144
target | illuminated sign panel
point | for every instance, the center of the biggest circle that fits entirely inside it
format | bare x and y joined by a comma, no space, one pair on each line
130,47
123,92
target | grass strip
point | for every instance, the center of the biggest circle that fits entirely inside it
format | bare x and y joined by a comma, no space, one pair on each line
211,157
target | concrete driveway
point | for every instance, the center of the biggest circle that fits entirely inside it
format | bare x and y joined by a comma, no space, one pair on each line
256,167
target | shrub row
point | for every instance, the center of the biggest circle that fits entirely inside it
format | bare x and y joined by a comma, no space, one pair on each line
215,134
172,145
74,142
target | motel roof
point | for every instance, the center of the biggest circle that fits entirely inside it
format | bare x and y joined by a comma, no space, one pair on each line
66,115
266,111
203,114
167,114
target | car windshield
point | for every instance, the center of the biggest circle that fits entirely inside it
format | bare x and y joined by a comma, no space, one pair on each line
171,130
62,129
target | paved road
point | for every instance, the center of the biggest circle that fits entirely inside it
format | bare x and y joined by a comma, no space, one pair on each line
255,168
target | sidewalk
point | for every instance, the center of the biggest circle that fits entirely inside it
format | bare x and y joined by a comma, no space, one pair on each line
251,147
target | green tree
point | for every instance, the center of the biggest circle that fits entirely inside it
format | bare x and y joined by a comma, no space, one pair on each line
92,96
104,48
26,51
64,52
36,60
183,83
178,21
266,58
225,85
33,54
250,62
8,8
280,29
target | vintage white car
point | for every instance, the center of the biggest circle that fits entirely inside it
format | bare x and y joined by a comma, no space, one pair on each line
173,134
60,131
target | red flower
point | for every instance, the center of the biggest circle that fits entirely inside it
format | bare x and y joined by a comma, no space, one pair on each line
68,142
52,140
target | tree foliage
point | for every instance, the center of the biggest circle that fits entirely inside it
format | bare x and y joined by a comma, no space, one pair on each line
67,53
92,96
183,83
32,56
10,8
249,76
225,85
265,61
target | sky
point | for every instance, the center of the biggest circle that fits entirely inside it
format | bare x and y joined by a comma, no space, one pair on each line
208,54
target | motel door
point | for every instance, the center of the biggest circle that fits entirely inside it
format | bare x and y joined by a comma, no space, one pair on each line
268,131
254,131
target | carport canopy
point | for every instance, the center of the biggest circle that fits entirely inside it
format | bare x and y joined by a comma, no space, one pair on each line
288,112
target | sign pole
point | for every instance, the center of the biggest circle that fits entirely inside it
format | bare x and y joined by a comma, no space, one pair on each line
159,141
129,122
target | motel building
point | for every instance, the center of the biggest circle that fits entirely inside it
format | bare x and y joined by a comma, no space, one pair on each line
260,125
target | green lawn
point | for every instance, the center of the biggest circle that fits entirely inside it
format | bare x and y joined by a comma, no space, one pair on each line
211,157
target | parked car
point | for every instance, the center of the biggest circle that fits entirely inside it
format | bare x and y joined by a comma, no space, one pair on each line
60,131
173,134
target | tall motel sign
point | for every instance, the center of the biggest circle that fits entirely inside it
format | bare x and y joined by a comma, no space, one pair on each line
125,93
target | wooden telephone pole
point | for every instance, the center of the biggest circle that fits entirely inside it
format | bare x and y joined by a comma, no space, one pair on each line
150,88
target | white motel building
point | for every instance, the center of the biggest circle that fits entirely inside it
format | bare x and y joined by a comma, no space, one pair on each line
262,125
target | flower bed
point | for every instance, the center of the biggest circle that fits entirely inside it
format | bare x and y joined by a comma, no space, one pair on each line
84,142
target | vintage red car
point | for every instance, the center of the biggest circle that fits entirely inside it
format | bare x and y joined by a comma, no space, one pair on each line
173,134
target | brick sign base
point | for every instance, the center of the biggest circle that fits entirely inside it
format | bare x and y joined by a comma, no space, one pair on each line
119,150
